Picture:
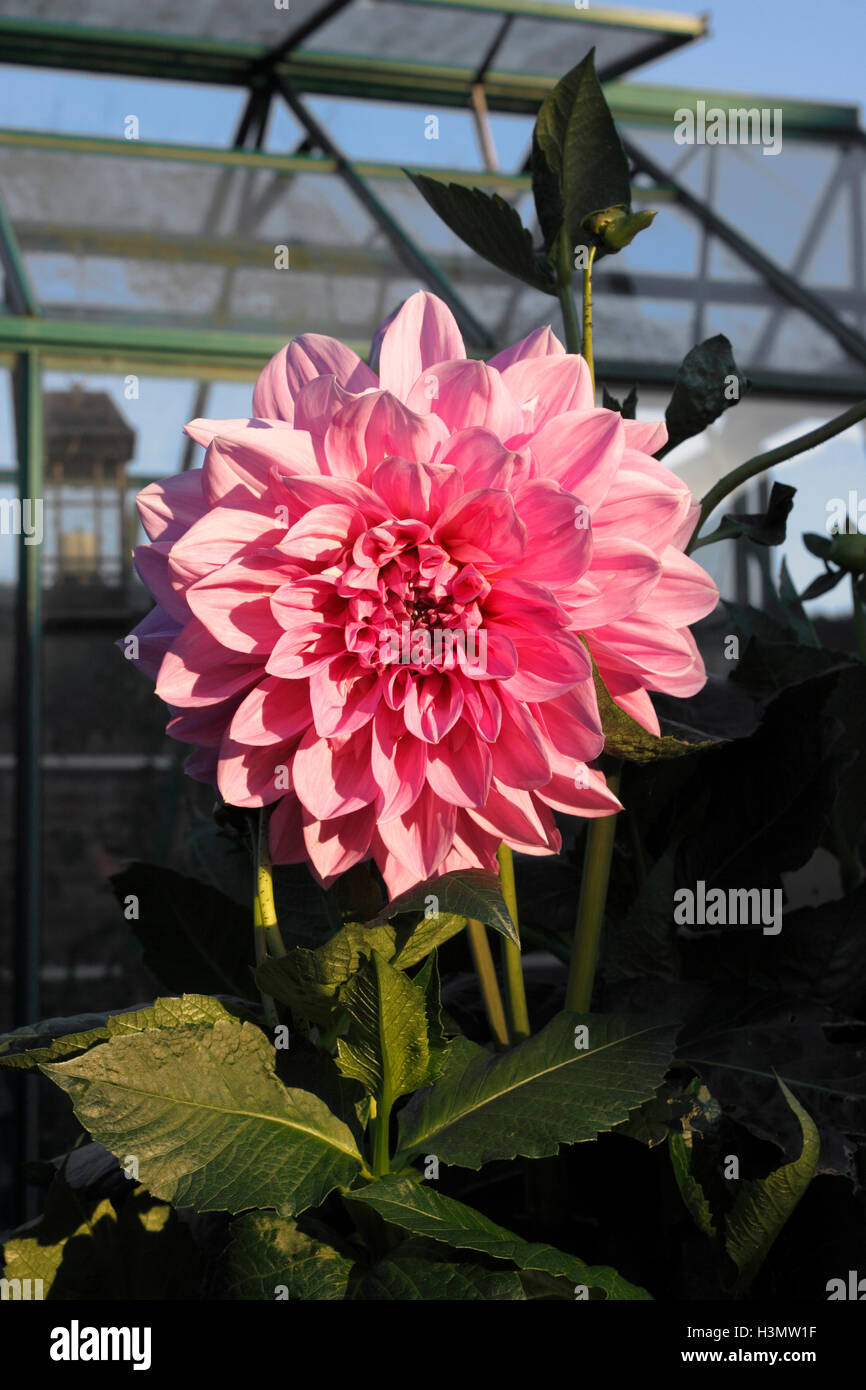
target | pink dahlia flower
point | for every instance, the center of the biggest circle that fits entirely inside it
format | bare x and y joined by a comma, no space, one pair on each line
372,597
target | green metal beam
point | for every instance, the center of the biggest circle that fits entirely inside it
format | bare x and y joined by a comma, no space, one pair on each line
18,290
635,103
188,353
192,59
250,159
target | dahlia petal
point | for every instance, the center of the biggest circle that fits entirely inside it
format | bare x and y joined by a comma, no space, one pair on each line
343,701
646,435
513,816
661,657
368,429
547,666
286,831
468,393
581,450
482,528
336,845
622,574
421,837
306,357
460,767
421,490
152,566
168,507
253,776
519,757
572,723
541,342
241,462
154,635
639,507
203,431
422,333
685,592
549,386
195,671
634,700
398,761
218,537
333,777
234,604
433,705
558,546
585,794
483,461
273,711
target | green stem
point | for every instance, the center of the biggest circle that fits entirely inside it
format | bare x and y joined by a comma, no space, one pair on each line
512,965
590,912
859,618
731,481
725,532
564,271
265,892
587,316
482,959
381,1122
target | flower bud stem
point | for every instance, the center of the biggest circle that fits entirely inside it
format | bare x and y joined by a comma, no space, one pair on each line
512,965
482,958
600,837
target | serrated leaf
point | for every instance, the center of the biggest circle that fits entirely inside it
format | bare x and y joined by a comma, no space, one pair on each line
420,1271
490,226
625,738
578,139
385,1046
699,394
192,936
210,1123
763,1205
418,1208
542,1093
26,1049
473,893
268,1252
308,979
428,981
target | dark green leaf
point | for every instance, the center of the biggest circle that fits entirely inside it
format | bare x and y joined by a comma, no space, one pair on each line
544,1092
271,1258
708,382
418,1208
769,527
208,1120
467,892
577,136
763,1205
490,226
420,1271
385,1045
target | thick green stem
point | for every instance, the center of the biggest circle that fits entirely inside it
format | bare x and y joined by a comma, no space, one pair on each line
587,316
564,271
761,462
482,958
265,892
512,965
381,1121
590,912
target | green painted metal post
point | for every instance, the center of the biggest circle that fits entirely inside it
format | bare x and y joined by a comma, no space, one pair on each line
28,709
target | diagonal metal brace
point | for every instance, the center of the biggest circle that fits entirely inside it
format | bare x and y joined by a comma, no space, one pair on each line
411,255
777,278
